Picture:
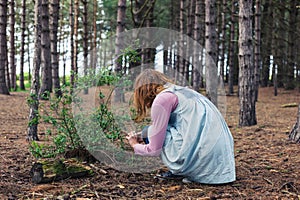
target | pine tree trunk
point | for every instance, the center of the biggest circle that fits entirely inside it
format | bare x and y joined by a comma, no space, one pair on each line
295,132
211,51
46,84
22,52
3,46
223,39
13,75
197,66
246,74
54,17
93,57
76,40
292,37
181,50
257,56
35,80
119,96
269,30
190,27
231,49
281,43
85,40
71,16
120,28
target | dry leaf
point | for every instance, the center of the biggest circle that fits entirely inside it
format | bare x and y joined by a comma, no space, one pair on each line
121,186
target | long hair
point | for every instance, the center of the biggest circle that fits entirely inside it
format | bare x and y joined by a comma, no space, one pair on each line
147,86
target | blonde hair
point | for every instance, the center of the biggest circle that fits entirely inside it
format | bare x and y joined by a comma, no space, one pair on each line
147,86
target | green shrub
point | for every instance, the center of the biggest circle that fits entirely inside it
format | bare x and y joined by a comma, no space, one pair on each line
65,125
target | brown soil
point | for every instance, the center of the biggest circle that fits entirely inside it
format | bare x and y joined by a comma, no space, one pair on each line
267,163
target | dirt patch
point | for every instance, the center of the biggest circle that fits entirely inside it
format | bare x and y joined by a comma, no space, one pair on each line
267,163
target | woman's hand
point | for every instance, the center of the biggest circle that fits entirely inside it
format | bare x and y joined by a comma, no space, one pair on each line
132,138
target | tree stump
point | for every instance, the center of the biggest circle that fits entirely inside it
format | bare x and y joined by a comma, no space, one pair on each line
295,132
45,171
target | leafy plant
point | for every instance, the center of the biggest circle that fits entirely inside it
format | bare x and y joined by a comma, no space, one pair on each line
63,130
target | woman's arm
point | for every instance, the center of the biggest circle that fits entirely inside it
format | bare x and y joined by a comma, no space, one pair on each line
161,109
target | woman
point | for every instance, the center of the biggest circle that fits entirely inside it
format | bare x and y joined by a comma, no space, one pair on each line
187,131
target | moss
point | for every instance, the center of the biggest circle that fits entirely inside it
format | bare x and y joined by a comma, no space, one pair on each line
62,167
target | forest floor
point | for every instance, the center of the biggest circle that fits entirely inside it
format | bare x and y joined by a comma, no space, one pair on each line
267,163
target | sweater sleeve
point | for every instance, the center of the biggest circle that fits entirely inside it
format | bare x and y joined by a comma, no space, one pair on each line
163,105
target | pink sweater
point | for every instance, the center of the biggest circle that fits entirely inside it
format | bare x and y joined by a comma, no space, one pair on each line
162,106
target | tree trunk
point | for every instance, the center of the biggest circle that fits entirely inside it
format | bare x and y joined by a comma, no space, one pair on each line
54,17
85,40
281,43
22,53
3,46
181,50
211,51
197,65
76,41
93,57
13,75
246,74
71,16
121,15
269,31
231,49
189,31
257,56
62,46
46,84
295,132
223,39
35,80
292,38
28,55
120,28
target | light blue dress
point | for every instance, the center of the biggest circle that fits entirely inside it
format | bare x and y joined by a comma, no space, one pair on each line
198,143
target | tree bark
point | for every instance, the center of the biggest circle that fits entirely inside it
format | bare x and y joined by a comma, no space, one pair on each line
46,84
85,40
54,17
197,65
295,132
223,39
22,52
33,119
71,19
257,55
246,74
121,15
181,50
13,75
292,38
93,57
269,31
211,51
231,49
76,41
3,46
120,28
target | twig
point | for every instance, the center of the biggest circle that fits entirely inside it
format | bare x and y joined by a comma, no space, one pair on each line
268,181
289,185
6,159
238,192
